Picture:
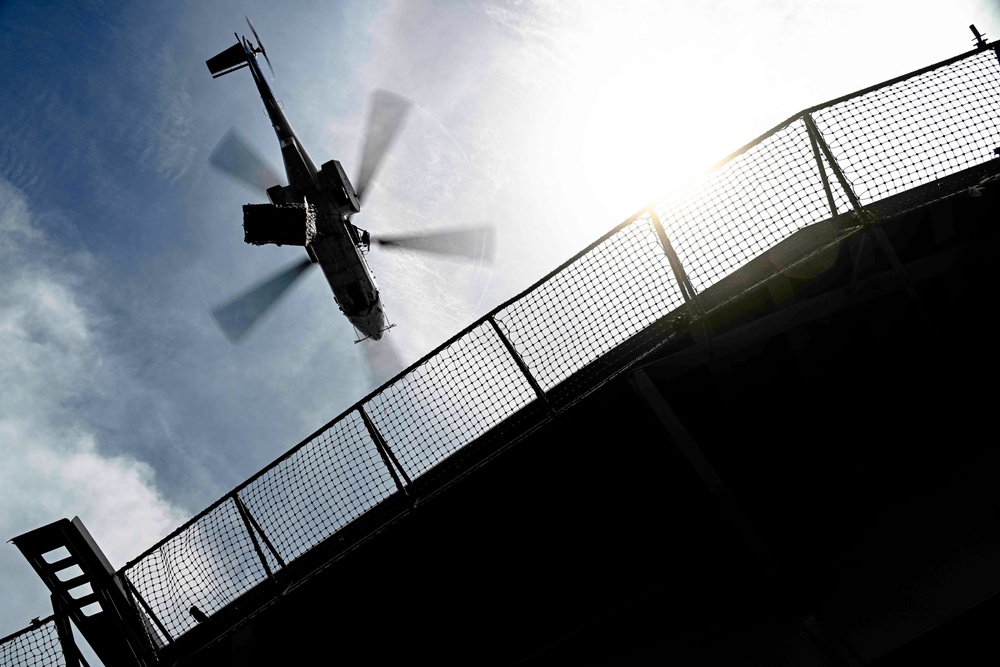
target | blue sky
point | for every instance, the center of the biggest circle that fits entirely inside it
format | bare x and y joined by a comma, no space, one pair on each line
123,404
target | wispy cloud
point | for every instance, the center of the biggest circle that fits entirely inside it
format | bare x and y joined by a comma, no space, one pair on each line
53,465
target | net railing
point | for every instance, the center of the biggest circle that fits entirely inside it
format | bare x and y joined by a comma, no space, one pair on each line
550,340
35,646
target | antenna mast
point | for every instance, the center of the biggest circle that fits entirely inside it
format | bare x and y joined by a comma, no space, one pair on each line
980,42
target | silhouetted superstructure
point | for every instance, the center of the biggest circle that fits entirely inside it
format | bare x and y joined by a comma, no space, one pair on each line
749,425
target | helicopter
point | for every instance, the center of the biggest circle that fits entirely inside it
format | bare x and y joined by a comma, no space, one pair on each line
315,209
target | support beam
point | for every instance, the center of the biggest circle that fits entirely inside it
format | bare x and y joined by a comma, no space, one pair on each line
720,492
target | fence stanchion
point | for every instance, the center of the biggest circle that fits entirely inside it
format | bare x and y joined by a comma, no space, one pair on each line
521,365
131,590
388,458
253,528
696,314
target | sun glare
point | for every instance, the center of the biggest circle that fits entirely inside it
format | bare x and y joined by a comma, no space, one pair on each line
616,134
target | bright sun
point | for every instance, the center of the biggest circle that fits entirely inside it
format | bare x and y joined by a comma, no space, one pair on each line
617,133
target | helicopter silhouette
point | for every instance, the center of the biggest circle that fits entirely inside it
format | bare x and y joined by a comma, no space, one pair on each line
316,207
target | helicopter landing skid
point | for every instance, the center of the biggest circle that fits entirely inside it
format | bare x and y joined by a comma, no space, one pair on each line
364,338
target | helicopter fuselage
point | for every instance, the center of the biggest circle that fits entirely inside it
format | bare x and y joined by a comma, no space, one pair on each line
338,246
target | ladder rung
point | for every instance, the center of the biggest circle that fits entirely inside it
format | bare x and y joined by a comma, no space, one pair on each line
74,582
62,564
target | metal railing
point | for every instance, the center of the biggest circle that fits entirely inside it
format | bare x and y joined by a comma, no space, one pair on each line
542,345
560,339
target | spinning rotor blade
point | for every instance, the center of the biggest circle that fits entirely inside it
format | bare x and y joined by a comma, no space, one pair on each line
388,111
239,315
476,243
234,156
260,45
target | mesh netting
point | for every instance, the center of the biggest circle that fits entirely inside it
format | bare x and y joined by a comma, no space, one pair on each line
753,201
600,299
207,565
449,400
319,488
37,646
917,130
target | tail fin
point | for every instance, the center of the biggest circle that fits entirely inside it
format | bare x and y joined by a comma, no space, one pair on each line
228,61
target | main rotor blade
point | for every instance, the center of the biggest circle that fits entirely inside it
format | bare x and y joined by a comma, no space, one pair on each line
239,315
475,243
233,156
388,111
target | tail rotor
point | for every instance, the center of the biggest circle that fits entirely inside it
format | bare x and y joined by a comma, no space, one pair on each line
260,46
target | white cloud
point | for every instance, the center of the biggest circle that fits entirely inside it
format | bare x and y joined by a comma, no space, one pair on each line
51,464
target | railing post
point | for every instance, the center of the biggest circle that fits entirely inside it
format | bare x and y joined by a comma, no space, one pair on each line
521,365
866,219
819,143
253,528
816,136
131,591
696,313
388,458
71,652
814,142
687,290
